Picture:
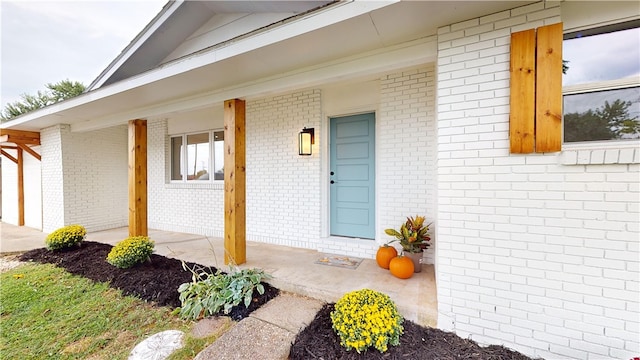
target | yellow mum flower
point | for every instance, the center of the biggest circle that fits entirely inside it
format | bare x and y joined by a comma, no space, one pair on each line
65,237
367,318
130,251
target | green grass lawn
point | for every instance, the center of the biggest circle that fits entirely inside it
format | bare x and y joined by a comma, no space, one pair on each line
47,313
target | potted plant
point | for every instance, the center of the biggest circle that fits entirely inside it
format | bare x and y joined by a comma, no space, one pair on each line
414,239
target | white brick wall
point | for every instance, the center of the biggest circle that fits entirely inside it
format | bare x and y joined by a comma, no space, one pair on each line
532,253
84,178
406,150
52,177
283,188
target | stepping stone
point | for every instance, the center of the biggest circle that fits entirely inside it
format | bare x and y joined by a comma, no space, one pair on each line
209,326
158,346
289,311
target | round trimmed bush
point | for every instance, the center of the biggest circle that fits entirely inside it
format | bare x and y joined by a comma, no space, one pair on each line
65,237
130,251
367,318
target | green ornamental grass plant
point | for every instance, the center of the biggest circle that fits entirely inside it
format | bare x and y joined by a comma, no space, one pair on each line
65,237
367,318
130,251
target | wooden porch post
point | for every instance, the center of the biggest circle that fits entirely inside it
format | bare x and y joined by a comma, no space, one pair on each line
235,244
21,139
20,187
138,178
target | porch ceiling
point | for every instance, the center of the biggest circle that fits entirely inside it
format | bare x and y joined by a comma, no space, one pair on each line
232,70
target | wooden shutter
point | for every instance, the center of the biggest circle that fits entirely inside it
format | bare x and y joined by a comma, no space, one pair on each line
536,90
549,89
523,89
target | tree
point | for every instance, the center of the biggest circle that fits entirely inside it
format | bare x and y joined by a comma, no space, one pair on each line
59,91
65,89
586,126
610,121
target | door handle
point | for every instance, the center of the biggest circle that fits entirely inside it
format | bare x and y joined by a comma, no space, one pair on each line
332,182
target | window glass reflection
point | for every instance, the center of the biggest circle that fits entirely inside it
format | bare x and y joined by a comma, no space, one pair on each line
176,158
198,156
602,115
601,57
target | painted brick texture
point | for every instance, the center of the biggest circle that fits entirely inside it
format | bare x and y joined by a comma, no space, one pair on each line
84,177
533,253
283,188
406,150
52,178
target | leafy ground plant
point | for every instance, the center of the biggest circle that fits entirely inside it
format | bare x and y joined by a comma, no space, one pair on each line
48,313
209,294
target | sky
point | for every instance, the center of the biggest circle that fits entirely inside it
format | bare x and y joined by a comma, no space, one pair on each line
50,41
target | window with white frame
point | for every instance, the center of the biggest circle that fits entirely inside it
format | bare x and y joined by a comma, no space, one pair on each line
601,83
197,157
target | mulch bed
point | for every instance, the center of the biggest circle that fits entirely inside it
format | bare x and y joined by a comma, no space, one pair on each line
157,281
319,341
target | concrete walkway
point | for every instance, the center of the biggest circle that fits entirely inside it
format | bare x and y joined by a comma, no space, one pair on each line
294,270
267,333
19,238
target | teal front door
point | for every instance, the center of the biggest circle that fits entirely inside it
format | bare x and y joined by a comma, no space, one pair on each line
352,176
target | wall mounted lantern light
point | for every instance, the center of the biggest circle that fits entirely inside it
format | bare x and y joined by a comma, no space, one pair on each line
305,140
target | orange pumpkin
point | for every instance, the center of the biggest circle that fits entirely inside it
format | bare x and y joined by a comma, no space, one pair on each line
384,255
401,267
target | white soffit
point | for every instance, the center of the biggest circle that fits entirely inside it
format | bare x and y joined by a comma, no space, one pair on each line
356,67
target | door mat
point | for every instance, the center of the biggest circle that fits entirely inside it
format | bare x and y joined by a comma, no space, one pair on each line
339,261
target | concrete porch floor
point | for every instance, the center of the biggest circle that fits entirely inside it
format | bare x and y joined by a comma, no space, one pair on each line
293,270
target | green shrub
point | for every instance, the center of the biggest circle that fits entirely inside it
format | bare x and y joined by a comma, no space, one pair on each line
130,251
65,237
365,318
207,294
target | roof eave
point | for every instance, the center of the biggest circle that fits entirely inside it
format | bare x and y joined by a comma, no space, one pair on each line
162,16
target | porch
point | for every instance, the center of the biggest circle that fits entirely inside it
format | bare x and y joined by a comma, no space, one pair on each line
293,269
